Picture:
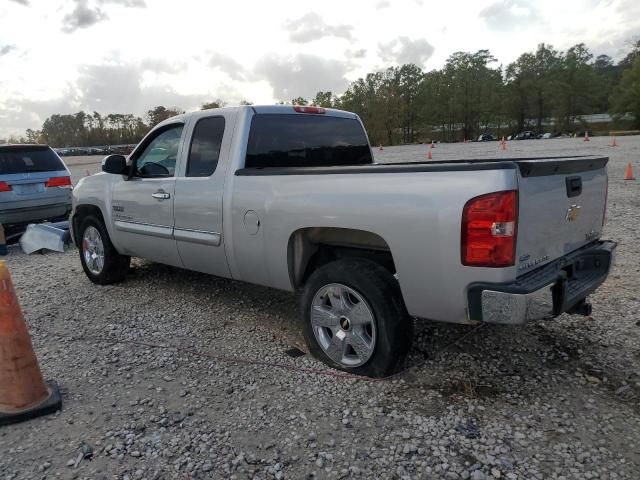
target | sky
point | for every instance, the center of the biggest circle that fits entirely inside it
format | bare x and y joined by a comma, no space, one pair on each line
127,56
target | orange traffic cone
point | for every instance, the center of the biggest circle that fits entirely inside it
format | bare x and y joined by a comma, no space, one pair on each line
613,142
503,144
23,392
628,172
429,156
380,147
586,136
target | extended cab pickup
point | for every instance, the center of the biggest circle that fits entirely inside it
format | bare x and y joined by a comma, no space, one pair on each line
289,197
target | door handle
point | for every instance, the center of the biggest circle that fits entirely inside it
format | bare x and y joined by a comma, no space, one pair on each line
161,195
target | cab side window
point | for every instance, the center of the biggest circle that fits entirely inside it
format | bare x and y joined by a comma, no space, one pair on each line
205,147
158,159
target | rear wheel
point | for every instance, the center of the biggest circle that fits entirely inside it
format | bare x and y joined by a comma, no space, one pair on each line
101,262
354,318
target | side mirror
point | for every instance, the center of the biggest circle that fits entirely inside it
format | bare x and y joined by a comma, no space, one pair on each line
116,164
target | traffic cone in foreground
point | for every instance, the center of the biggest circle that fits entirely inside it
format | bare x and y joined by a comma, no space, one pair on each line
503,144
586,136
628,172
23,392
429,156
613,142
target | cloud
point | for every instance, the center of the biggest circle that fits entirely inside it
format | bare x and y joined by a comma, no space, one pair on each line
301,75
227,65
127,3
82,16
360,53
22,2
403,50
118,88
160,65
383,4
507,15
311,27
85,15
5,49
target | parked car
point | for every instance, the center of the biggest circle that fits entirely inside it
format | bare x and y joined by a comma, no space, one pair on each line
486,137
35,184
526,135
290,197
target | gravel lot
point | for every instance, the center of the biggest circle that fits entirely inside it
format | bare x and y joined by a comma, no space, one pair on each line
145,384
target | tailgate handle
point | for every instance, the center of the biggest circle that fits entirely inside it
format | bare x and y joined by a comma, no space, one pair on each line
574,186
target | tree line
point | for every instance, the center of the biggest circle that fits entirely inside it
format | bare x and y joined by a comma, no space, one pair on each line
545,90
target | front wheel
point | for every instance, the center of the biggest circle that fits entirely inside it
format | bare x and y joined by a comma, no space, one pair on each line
354,318
101,262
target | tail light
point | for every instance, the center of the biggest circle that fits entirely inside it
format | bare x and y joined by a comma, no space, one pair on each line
489,228
58,182
5,187
310,109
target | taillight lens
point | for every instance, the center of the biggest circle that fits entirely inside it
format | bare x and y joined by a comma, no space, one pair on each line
58,182
5,187
310,109
489,228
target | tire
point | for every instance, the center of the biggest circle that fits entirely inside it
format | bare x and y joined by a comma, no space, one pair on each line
94,242
359,322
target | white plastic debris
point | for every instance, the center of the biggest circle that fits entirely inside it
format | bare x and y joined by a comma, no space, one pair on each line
41,236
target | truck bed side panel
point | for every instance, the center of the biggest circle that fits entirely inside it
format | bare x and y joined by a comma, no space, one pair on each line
418,215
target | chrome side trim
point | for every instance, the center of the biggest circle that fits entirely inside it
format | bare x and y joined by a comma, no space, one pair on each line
144,229
198,236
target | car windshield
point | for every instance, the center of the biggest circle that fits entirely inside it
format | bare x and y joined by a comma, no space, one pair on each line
28,160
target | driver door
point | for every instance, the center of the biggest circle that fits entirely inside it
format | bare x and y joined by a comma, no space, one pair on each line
142,205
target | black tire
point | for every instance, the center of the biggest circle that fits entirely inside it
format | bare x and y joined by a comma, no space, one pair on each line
381,292
115,266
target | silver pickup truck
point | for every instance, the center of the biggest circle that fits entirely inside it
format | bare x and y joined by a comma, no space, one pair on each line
289,197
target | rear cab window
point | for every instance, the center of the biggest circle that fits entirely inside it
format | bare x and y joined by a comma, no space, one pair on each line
28,159
305,140
204,150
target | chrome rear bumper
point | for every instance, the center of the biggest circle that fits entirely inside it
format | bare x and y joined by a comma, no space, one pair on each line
546,292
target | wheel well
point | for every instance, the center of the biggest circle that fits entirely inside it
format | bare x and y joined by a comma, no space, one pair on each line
310,248
81,212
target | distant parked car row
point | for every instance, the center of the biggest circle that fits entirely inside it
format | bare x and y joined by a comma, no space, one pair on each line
530,135
526,135
104,150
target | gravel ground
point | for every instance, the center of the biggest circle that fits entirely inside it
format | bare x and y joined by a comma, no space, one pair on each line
147,385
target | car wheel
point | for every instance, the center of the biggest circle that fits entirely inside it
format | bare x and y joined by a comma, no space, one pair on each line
101,262
354,318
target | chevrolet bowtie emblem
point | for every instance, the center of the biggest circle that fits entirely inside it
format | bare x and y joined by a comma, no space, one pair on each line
572,213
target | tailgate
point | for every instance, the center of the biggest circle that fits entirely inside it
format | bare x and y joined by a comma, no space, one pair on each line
561,207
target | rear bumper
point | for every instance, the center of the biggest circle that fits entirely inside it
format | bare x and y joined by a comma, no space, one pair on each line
555,288
16,216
